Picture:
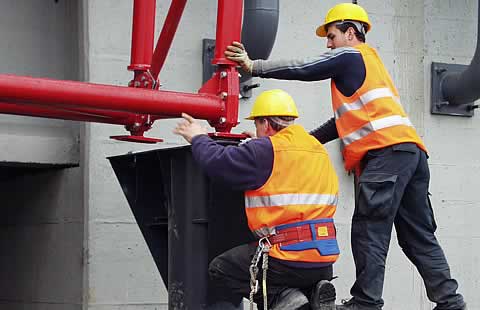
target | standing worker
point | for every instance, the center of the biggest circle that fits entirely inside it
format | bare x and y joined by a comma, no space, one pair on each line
291,192
381,145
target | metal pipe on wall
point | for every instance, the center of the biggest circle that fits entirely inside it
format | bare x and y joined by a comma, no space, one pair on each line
260,24
462,87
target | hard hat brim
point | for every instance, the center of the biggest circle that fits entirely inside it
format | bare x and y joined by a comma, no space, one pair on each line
321,32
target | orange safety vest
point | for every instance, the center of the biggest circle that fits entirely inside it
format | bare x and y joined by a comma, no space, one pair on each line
301,192
373,117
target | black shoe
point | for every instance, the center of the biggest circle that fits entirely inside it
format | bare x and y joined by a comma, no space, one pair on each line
352,305
323,296
290,299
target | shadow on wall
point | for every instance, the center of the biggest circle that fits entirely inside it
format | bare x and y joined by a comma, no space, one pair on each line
41,237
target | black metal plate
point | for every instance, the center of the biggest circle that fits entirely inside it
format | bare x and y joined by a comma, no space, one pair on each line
438,104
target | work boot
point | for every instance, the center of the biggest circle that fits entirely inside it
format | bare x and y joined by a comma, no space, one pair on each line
352,305
323,296
291,299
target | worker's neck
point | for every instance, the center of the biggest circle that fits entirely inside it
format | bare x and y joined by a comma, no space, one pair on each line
353,43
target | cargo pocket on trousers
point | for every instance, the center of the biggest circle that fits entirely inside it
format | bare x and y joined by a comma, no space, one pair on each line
376,191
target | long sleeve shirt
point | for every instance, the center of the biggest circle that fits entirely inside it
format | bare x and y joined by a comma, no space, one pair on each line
345,66
243,167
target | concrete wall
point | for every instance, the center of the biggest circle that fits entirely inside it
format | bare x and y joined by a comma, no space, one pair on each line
119,272
41,236
41,227
40,39
408,34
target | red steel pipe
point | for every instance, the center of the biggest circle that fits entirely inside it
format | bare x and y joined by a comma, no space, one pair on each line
166,36
229,28
48,112
21,89
143,28
217,101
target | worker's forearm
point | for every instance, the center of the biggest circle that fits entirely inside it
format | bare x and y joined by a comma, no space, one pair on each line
244,167
326,132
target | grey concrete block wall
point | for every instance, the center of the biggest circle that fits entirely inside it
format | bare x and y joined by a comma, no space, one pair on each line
42,222
40,39
41,236
408,35
119,273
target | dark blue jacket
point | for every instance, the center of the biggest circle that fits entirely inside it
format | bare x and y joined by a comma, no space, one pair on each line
345,66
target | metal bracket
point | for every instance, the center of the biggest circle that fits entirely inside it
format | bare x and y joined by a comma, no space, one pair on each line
207,57
246,85
438,104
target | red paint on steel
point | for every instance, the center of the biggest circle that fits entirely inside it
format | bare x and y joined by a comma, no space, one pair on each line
166,36
30,90
229,28
48,112
137,109
143,28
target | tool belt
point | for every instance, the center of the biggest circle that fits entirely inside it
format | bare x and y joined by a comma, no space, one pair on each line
317,234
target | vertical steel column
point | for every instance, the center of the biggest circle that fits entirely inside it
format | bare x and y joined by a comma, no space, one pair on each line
229,27
143,28
166,36
225,82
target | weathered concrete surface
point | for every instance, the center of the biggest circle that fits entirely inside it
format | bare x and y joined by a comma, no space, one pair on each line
409,35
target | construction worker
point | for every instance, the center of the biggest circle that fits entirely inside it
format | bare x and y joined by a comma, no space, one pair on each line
381,145
291,192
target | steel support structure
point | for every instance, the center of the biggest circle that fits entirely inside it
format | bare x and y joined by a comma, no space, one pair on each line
137,109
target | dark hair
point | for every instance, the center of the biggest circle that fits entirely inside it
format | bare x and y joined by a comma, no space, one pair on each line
273,124
343,27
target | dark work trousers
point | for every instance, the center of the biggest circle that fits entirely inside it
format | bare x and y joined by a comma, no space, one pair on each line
393,189
230,273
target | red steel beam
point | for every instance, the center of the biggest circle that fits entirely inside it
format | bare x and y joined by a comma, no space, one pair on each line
229,28
166,36
21,89
216,102
143,28
48,112
225,81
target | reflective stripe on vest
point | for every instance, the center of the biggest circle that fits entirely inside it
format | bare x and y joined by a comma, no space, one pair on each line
290,199
364,100
302,187
372,117
389,121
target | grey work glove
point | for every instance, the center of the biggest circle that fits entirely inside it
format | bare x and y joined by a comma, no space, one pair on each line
236,52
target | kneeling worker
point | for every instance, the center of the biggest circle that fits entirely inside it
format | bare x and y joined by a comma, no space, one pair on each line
291,192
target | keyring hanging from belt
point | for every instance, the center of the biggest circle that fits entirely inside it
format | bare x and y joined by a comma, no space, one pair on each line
262,250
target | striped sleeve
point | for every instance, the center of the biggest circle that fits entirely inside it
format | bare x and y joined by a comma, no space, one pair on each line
328,65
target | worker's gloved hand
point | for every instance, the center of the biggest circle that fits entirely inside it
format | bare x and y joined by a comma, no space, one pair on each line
189,128
236,52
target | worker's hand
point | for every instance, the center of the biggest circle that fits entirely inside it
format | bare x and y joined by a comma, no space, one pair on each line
250,134
237,53
189,128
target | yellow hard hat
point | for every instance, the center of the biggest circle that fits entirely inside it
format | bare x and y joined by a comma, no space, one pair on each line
275,102
344,12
